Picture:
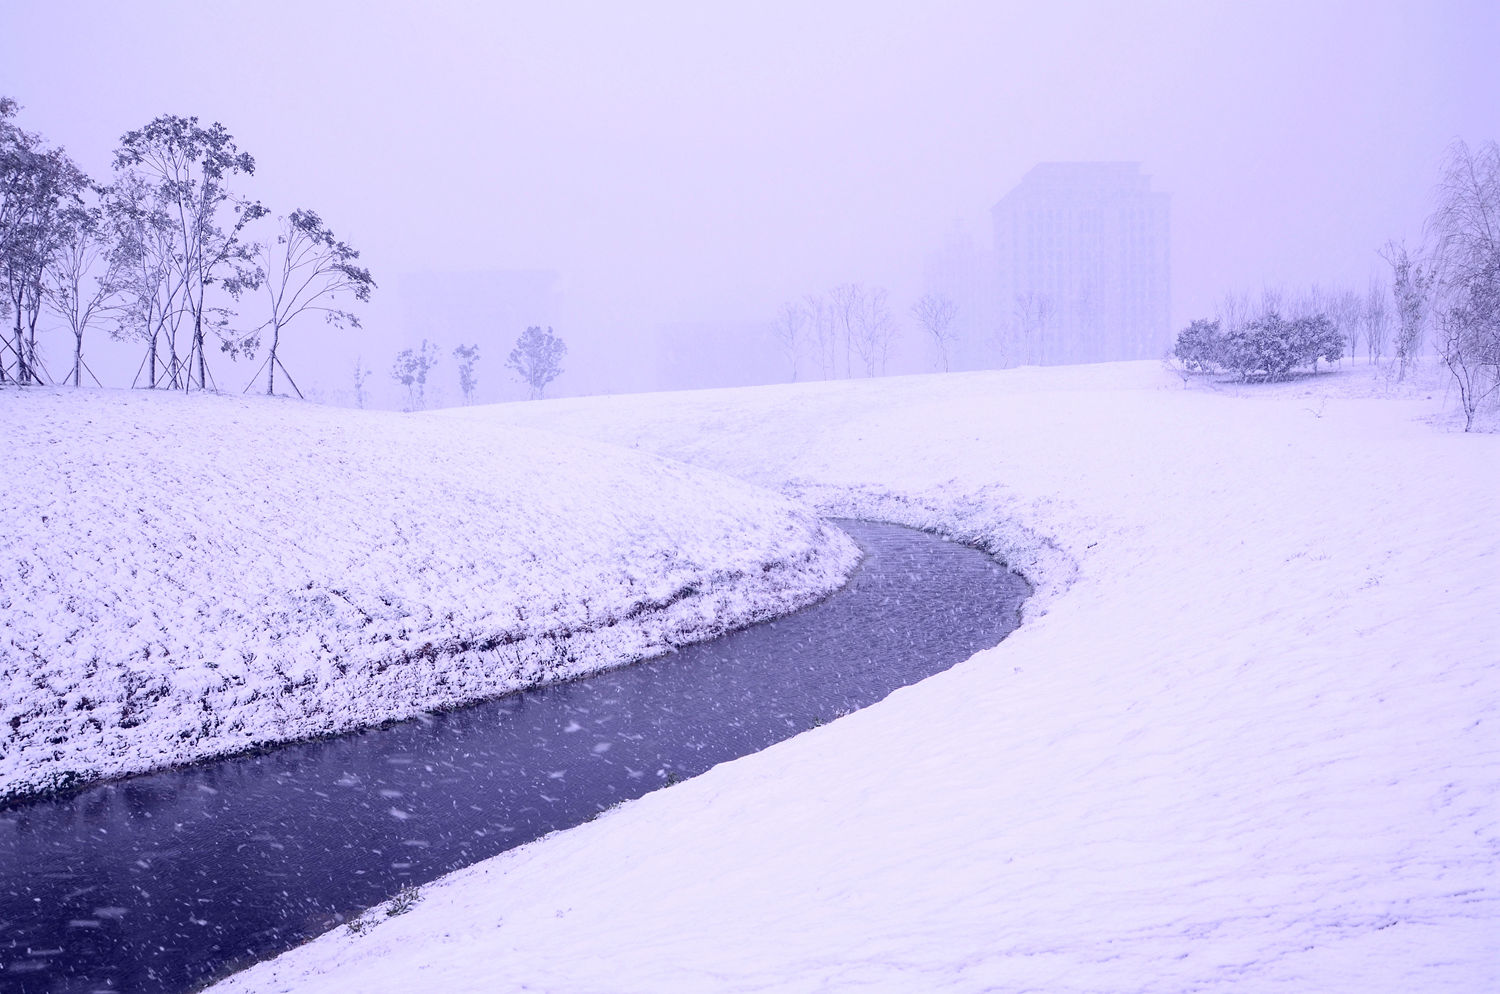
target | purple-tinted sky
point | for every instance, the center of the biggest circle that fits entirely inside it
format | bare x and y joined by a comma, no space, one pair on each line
695,161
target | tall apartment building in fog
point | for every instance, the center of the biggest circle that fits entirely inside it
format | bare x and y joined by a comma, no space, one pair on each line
1082,255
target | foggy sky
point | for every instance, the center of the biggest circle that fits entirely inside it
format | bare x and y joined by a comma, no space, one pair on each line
690,162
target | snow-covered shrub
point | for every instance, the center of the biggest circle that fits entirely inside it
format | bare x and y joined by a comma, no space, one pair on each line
1271,346
404,900
1200,346
1320,338
1261,346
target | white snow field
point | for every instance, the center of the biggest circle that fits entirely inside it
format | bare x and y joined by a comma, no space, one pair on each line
1248,738
183,577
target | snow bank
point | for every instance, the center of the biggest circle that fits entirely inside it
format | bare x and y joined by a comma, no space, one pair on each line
188,576
1246,741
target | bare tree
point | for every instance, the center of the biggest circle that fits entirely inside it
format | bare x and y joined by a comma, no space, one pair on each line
19,163
846,299
306,270
1234,312
83,277
790,327
1376,314
1000,343
1274,300
468,357
872,330
1465,271
1345,309
1314,300
1411,285
1033,319
150,305
410,370
40,187
825,335
1465,224
361,377
537,359
936,313
1469,337
190,164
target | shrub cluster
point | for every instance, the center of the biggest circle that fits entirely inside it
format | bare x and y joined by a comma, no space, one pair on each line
1269,347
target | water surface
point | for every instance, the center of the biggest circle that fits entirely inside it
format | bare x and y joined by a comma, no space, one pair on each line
163,882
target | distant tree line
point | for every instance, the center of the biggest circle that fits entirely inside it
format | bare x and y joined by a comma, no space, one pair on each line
536,360
163,254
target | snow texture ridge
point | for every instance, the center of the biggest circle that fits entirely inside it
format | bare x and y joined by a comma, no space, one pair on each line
1245,742
182,577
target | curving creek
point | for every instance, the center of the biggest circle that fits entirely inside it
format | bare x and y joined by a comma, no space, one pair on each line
167,881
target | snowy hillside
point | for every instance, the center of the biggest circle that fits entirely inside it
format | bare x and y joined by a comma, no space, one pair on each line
187,576
1246,740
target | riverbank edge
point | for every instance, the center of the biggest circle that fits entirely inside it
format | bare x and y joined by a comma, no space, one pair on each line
984,519
714,604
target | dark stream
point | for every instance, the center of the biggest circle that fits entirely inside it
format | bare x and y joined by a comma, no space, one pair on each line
166,881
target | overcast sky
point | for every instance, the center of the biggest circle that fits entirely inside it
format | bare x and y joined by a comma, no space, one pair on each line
698,161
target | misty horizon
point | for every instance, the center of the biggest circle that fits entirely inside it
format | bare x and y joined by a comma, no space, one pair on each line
677,167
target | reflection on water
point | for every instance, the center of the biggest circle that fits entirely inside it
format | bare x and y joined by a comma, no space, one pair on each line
164,881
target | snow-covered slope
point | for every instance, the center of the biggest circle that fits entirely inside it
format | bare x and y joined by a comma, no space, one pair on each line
1246,741
187,576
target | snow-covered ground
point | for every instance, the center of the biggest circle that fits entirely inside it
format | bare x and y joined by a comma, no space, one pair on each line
187,576
1247,740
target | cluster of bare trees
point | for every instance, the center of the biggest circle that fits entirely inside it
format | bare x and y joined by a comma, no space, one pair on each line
850,328
1277,331
1356,318
163,254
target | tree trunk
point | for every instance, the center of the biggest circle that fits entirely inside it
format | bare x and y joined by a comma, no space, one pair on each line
271,365
21,374
5,361
198,346
77,357
30,349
